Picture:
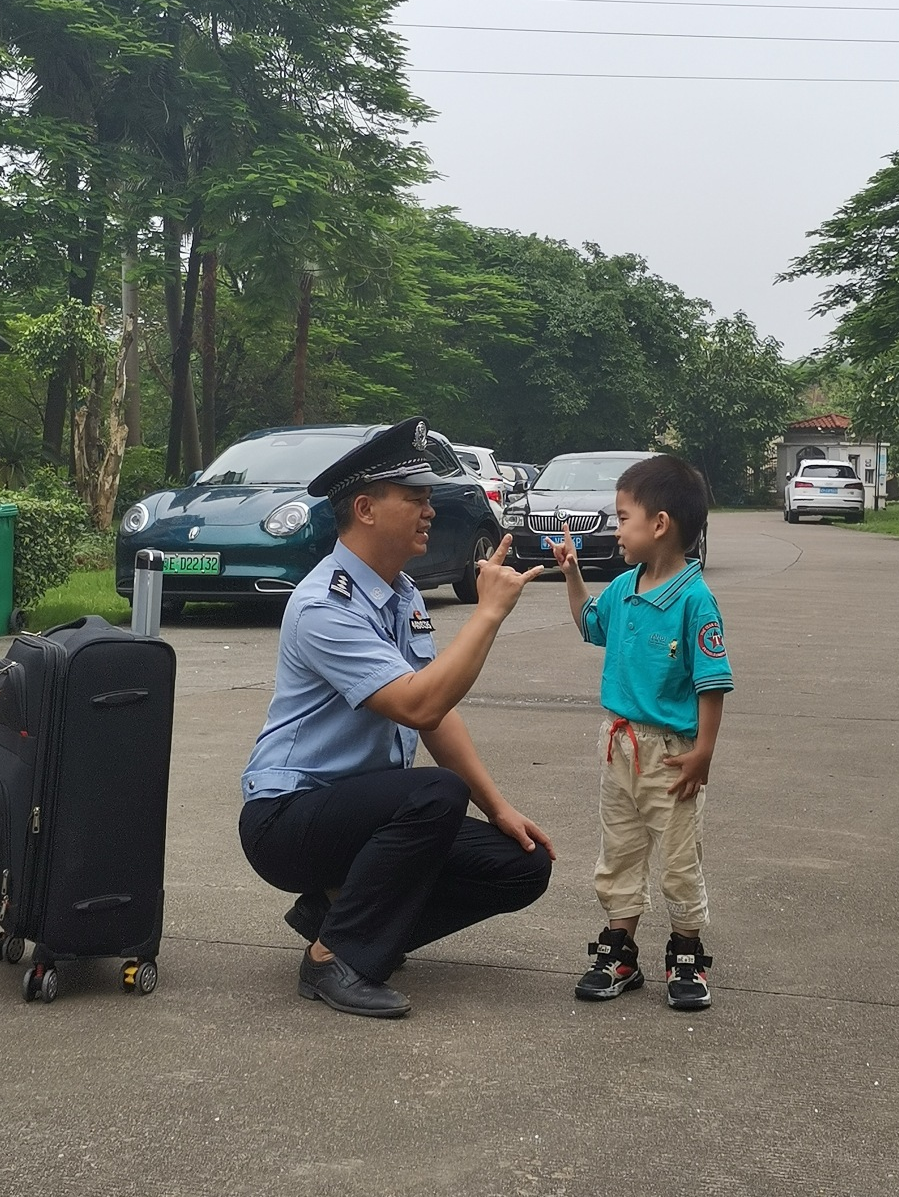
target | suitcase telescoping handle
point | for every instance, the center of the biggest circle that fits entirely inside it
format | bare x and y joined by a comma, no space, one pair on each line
147,606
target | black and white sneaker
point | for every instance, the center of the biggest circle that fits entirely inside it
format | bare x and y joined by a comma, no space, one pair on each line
685,968
614,970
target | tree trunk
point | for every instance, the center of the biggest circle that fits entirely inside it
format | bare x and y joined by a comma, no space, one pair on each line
181,375
301,347
130,307
172,232
98,462
210,265
55,409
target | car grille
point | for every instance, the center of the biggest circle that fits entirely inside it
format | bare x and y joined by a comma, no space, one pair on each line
576,523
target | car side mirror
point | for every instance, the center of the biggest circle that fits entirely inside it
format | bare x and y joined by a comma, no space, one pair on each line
789,476
194,477
519,487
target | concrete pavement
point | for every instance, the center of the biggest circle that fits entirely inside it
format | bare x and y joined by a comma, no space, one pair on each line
224,1083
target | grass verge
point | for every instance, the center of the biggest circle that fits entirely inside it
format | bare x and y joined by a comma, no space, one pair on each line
87,592
885,521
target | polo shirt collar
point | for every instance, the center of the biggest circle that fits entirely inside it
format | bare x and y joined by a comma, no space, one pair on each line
669,592
376,590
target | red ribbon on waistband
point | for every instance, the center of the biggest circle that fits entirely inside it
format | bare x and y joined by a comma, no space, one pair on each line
623,725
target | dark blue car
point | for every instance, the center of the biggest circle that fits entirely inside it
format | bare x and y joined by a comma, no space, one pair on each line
246,527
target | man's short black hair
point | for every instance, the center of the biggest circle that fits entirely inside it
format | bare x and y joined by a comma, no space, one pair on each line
668,483
343,507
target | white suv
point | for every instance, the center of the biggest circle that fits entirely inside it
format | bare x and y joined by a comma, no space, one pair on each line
824,487
482,464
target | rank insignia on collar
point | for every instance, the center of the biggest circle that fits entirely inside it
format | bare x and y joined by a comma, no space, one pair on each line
420,623
341,583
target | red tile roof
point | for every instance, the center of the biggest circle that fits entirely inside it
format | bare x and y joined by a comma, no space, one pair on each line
828,423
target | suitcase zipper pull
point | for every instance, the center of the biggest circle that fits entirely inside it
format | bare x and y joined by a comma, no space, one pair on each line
36,819
4,895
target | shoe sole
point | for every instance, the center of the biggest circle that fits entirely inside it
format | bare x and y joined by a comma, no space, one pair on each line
614,991
308,991
689,1004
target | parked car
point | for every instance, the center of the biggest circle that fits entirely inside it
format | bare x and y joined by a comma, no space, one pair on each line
518,473
824,487
577,489
246,527
482,465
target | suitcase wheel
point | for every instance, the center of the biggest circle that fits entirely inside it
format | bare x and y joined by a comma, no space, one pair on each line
12,948
40,981
139,977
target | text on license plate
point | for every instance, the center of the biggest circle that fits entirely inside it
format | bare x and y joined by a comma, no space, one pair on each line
192,563
547,542
828,490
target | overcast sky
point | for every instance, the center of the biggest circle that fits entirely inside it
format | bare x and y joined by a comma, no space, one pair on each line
714,183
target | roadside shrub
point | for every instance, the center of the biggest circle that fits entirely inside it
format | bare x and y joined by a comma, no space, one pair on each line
95,550
46,532
48,483
143,471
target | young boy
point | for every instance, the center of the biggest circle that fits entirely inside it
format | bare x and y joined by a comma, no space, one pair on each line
663,684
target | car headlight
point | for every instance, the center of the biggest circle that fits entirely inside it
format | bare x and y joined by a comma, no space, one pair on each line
512,519
135,519
287,519
612,523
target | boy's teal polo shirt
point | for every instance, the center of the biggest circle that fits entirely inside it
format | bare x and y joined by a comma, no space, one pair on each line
664,647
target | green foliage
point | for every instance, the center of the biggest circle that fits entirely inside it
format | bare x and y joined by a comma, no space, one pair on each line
46,531
95,551
858,247
143,471
19,450
85,592
738,397
71,328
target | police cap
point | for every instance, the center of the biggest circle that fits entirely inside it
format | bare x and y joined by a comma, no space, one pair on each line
395,455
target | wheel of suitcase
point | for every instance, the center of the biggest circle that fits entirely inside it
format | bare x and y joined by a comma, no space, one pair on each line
146,978
12,948
30,985
50,985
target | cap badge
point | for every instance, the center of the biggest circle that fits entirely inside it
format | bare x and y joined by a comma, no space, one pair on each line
420,437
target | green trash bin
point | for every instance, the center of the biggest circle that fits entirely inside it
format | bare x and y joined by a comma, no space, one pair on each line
11,618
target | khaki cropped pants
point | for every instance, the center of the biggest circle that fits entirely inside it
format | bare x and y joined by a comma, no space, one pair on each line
637,815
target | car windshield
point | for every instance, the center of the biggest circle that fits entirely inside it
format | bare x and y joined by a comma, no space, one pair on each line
830,470
583,473
294,458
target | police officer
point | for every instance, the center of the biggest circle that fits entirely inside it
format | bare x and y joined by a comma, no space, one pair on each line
385,857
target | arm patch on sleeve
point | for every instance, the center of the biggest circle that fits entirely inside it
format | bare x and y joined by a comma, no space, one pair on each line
711,639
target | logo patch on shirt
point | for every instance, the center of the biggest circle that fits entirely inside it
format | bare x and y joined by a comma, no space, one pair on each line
711,639
420,623
341,583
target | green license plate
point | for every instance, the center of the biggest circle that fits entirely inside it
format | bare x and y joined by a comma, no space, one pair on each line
192,563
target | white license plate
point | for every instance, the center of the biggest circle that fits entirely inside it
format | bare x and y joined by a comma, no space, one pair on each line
828,490
547,542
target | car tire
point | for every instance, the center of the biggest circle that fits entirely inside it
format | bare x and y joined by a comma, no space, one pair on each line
171,609
855,517
484,544
792,517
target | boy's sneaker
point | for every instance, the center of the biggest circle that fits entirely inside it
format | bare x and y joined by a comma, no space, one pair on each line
614,970
685,965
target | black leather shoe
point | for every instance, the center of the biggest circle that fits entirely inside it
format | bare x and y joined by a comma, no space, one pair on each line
336,983
307,915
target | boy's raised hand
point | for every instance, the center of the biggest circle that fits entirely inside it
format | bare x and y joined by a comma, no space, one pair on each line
565,553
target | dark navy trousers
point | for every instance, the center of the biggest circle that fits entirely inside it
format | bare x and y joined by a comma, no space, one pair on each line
410,864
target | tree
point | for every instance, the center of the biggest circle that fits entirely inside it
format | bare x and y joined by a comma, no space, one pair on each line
859,247
737,398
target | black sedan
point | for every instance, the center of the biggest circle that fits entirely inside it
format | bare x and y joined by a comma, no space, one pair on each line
577,489
246,527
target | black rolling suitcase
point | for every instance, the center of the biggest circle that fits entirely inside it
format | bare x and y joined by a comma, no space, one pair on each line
86,716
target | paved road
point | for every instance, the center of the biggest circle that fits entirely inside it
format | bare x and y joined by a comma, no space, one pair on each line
224,1082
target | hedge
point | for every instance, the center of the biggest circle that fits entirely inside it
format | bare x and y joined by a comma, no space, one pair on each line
46,532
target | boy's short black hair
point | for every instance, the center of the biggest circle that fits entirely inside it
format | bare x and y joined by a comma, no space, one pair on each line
668,483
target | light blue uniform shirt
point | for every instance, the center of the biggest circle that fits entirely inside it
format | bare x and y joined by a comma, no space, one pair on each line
664,647
345,634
